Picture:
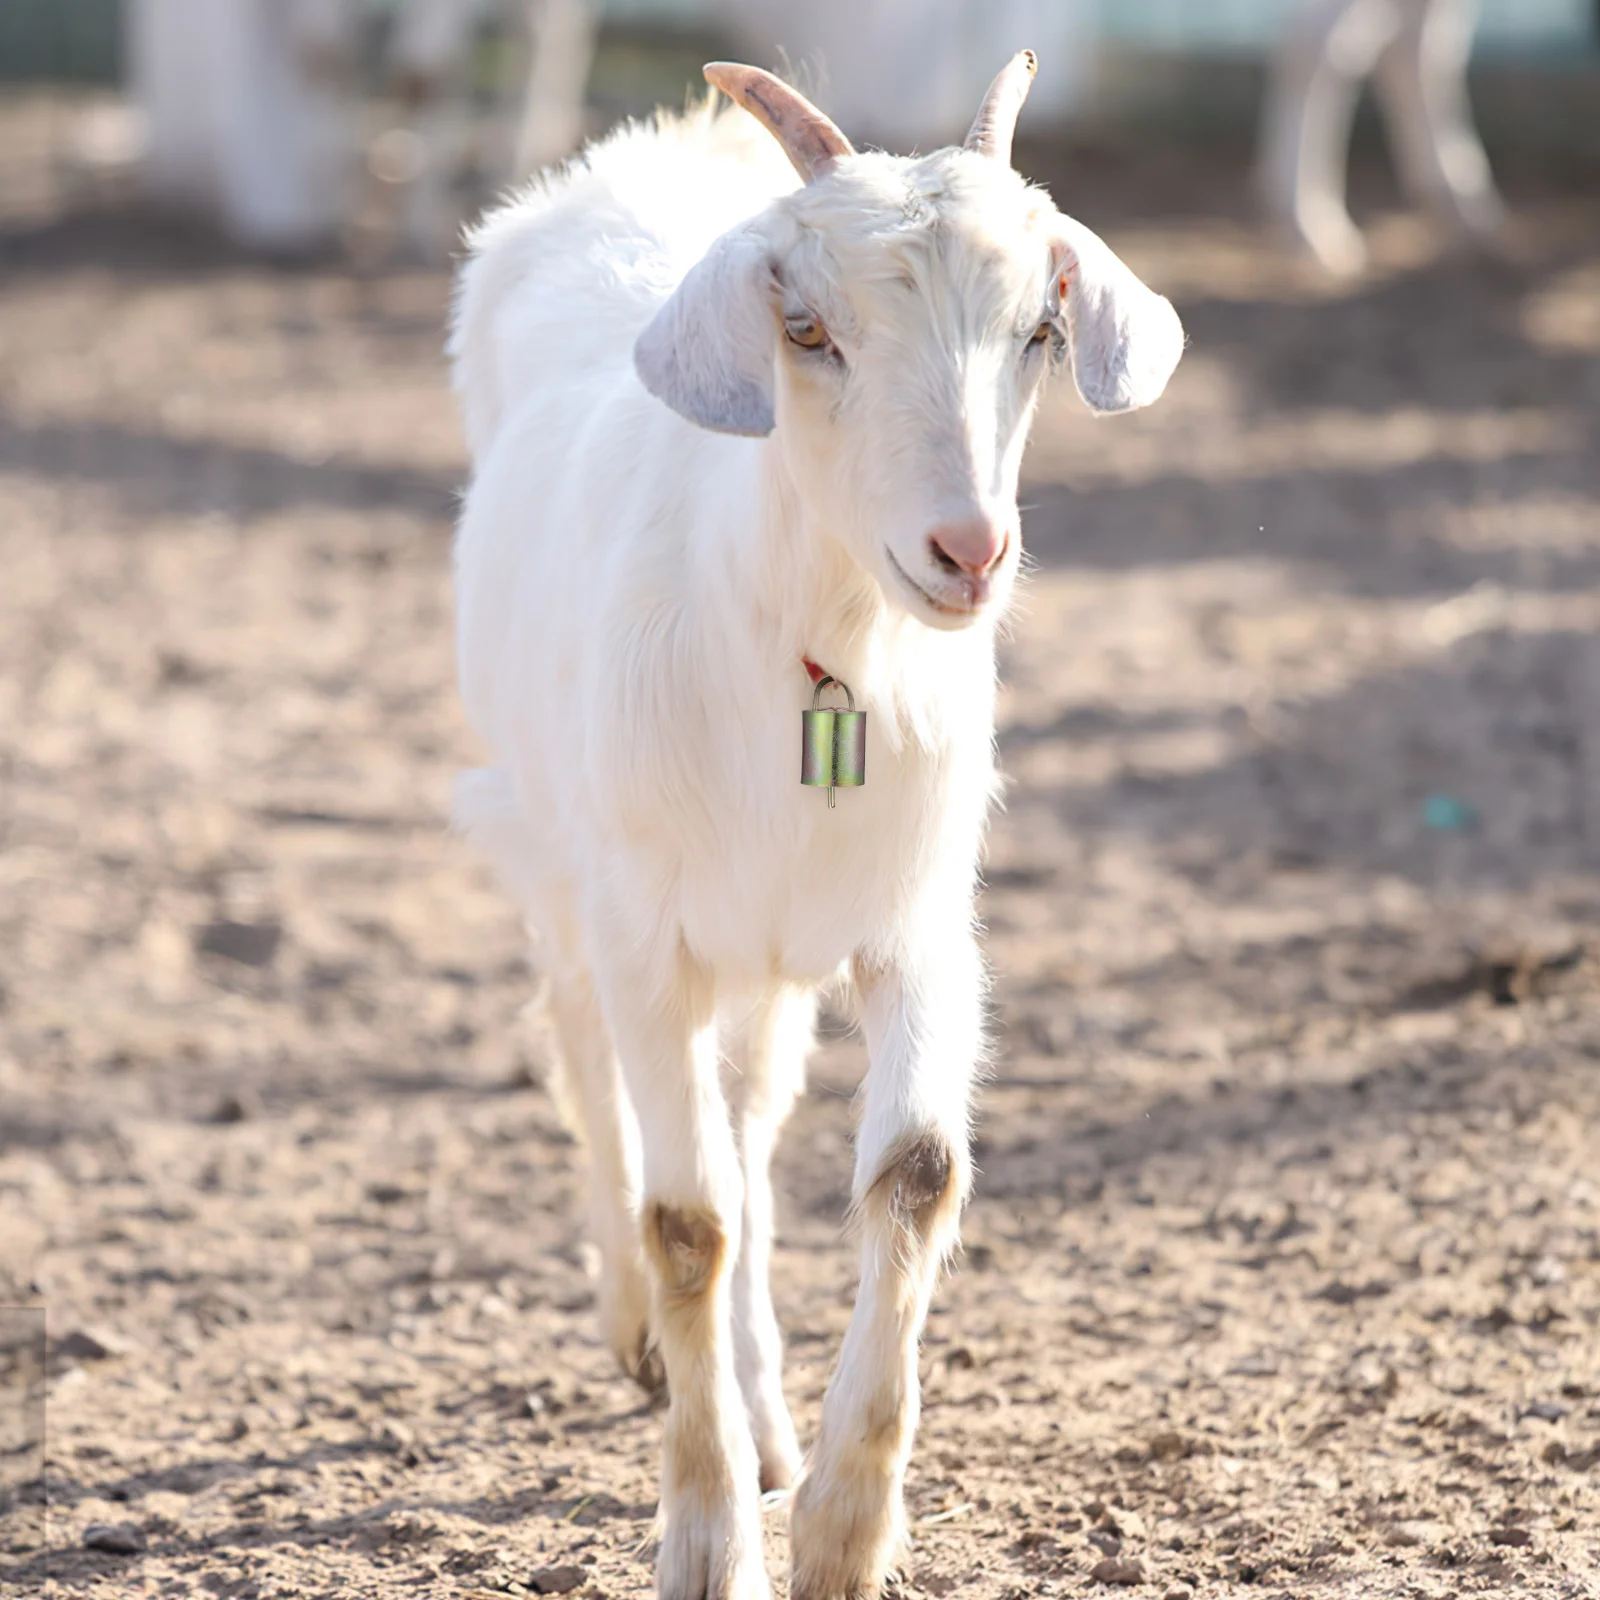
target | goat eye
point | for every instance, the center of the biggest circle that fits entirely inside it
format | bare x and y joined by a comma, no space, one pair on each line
1041,334
807,332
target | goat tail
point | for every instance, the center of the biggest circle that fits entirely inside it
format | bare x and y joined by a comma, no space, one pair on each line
487,813
482,286
561,1015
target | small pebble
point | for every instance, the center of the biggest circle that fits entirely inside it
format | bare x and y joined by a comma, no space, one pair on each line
1547,1410
557,1580
251,944
119,1539
81,1345
1111,1570
237,1105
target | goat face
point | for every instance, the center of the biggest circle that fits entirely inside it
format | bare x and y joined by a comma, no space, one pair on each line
891,321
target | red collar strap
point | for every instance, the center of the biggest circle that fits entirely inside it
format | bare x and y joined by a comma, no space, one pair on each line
816,672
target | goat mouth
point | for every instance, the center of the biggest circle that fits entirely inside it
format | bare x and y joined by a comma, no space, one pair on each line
943,607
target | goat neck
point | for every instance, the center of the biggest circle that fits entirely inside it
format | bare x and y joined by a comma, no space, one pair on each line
824,605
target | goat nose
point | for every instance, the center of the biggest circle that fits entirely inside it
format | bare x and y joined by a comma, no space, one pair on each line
973,546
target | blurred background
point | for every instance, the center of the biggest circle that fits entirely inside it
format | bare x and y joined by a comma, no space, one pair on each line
290,121
1284,1266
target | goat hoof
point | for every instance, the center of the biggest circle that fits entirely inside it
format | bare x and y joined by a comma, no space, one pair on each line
649,1371
642,1362
712,1555
625,1322
846,1540
779,1454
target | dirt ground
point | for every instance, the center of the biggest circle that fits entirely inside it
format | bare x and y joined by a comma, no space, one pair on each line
1283,1272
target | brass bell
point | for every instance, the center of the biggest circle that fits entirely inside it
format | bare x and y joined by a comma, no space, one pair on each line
833,744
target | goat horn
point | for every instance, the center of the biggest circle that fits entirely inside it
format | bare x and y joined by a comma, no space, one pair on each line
808,138
996,121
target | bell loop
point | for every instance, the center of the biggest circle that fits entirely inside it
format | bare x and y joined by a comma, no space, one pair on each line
823,683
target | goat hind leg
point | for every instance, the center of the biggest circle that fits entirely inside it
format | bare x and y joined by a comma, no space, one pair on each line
778,1040
592,1091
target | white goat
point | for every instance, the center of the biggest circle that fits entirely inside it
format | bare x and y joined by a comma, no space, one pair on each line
639,595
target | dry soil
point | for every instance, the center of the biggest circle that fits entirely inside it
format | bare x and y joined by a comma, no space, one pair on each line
1283,1272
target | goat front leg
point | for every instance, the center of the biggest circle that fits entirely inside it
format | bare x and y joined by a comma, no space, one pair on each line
666,1039
913,1165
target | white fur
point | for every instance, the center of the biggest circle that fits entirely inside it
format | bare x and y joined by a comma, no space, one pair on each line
635,595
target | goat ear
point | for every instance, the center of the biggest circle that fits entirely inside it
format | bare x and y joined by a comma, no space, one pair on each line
708,351
1125,338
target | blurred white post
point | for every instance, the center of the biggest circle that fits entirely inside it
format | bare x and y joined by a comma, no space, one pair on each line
250,107
247,110
168,49
561,40
429,62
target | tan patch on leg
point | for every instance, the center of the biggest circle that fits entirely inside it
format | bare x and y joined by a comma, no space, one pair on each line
688,1248
918,1187
847,1524
711,1541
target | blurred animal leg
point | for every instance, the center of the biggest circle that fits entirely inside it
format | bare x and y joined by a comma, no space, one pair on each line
593,1092
1315,81
1422,86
